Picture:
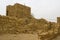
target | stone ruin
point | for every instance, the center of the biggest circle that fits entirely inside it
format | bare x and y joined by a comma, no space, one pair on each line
18,20
18,10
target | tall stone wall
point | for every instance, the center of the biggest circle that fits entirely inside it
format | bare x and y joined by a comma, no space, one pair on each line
18,10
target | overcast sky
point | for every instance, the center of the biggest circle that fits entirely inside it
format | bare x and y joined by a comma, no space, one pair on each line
48,9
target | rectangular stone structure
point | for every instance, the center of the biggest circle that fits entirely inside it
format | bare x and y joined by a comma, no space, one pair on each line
18,10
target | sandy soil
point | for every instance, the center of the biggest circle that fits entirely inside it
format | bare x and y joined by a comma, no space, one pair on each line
19,37
58,38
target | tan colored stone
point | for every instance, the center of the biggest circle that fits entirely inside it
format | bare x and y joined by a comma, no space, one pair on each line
19,20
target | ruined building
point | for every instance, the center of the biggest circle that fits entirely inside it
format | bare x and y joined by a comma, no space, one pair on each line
19,11
19,20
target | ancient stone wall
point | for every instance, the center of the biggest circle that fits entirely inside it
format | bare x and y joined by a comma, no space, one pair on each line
18,10
13,26
7,24
44,29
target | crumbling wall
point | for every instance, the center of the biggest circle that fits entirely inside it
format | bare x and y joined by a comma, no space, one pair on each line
13,26
8,24
44,29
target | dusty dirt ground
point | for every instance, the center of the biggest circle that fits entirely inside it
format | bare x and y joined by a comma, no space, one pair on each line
19,37
58,38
